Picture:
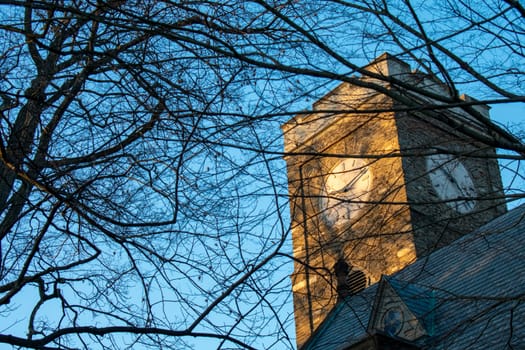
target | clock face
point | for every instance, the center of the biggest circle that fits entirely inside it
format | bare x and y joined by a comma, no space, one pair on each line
346,189
452,182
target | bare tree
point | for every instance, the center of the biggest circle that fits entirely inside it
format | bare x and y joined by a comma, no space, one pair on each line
143,195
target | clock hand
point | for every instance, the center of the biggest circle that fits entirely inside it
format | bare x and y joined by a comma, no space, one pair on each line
349,186
447,174
465,202
453,180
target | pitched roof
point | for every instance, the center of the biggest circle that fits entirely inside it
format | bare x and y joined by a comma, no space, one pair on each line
478,283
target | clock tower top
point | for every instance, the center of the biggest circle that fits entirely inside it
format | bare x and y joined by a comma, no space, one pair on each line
378,178
358,95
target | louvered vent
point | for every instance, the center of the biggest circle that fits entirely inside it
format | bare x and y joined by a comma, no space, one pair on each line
356,281
350,279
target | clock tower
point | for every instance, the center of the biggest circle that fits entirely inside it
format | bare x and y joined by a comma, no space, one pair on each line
375,185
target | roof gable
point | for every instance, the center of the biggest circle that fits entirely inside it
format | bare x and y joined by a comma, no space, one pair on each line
402,310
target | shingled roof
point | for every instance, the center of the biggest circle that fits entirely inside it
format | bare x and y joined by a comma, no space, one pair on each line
478,283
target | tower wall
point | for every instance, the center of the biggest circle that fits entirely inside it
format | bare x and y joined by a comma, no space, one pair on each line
378,241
